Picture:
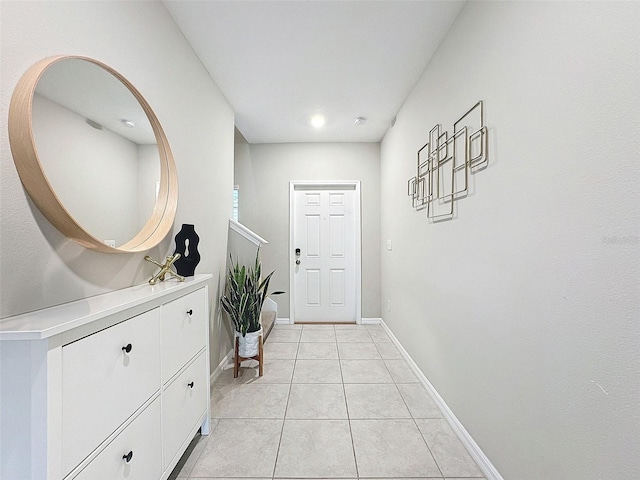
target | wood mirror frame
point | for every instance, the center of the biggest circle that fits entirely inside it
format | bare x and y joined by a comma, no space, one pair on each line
32,175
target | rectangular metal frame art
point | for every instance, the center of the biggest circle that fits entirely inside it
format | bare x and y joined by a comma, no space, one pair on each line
445,162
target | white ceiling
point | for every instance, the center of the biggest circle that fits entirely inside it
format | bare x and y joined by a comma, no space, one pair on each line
280,62
89,91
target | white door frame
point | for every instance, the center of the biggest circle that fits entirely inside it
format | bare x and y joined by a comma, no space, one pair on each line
338,185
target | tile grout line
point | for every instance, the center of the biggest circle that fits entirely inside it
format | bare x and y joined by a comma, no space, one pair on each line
414,420
215,421
284,416
395,383
428,447
346,406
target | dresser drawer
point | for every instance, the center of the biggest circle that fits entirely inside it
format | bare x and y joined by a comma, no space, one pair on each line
184,331
184,402
103,384
142,439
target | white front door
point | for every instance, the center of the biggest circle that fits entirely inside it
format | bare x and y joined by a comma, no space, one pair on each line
325,239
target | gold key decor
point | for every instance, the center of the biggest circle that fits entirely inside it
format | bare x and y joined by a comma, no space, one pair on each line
166,268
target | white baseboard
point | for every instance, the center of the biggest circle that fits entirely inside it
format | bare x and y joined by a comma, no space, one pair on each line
218,370
364,321
490,472
371,321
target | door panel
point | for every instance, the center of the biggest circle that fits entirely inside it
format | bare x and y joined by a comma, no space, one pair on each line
336,236
313,288
336,199
324,230
312,199
337,287
313,235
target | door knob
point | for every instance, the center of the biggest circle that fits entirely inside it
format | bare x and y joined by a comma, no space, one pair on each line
297,256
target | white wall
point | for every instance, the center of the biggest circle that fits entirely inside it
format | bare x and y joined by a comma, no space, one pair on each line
38,266
523,310
263,173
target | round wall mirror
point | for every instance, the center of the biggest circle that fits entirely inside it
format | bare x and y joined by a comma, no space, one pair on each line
92,155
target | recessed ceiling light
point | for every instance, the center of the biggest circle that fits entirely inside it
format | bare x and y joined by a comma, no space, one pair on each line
359,120
128,123
318,121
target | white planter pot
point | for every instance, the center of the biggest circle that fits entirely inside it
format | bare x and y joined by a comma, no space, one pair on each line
249,345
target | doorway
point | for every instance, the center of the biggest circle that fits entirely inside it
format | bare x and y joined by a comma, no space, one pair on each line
325,252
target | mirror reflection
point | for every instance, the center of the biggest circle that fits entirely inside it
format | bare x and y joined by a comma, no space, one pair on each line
97,149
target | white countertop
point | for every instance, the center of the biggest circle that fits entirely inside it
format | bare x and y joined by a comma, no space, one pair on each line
52,321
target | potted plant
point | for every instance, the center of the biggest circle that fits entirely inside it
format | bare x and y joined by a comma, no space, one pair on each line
245,292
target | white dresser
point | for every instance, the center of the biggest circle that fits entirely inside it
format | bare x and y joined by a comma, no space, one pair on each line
108,387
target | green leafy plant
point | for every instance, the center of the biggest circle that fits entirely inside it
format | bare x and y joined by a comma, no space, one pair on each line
245,292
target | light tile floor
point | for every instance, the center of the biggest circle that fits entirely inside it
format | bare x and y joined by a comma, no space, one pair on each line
334,402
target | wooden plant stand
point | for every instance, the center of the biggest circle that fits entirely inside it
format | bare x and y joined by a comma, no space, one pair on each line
238,359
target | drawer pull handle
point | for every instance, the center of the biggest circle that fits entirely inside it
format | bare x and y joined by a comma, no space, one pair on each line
190,385
127,458
127,349
190,312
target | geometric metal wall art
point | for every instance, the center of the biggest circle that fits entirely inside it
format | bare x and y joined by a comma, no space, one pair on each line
445,162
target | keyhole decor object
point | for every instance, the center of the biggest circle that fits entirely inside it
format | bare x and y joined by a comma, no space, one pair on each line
187,246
